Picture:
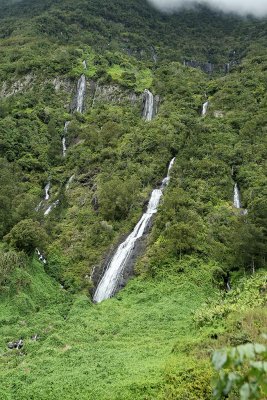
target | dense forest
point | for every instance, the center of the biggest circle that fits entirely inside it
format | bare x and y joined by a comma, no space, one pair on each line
78,164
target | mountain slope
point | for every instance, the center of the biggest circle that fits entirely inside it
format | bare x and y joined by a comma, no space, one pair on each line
155,338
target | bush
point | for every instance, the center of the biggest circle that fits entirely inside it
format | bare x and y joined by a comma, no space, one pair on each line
242,368
27,235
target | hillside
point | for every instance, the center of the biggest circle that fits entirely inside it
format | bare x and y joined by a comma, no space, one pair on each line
79,160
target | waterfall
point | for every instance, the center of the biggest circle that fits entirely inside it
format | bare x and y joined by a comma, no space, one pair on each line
51,207
41,257
84,64
148,109
64,146
39,206
117,264
237,201
70,181
81,89
47,188
204,108
46,196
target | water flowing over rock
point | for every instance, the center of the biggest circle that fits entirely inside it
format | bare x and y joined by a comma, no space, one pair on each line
84,64
205,108
47,188
227,68
237,200
81,90
51,207
39,206
41,257
64,146
110,280
70,181
149,105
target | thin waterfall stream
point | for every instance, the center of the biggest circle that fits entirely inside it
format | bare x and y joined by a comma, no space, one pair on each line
110,280
79,106
148,109
65,132
81,89
237,200
205,108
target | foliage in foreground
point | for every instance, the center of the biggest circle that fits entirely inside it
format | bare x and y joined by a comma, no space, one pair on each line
242,369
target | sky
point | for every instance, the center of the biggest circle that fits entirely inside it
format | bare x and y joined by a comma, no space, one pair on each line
242,7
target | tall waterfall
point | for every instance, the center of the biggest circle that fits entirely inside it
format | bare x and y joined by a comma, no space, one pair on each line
237,200
205,108
148,110
81,89
64,146
110,279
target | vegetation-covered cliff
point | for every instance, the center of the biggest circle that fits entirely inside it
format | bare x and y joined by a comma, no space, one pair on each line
74,194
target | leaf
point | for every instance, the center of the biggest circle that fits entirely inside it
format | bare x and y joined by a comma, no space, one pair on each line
244,392
219,359
259,365
259,348
246,350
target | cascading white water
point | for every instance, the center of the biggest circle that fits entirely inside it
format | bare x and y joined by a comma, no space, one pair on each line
41,257
81,89
110,279
70,181
51,207
47,188
148,110
205,108
64,146
237,201
46,196
84,64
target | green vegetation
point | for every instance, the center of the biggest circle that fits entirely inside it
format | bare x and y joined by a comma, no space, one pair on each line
251,386
154,340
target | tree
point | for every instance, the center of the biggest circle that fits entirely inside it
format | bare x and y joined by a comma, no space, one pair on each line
26,235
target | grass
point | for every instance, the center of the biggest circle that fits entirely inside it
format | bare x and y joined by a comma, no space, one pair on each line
120,349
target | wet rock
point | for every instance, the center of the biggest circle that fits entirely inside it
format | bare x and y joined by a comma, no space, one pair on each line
18,344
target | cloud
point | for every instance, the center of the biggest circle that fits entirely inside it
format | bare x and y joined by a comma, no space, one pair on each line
241,7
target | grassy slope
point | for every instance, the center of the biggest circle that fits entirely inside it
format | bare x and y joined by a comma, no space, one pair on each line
119,349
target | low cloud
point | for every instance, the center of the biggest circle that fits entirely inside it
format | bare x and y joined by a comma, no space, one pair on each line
257,8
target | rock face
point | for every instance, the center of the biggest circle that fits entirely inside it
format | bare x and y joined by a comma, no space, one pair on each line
218,114
9,89
18,344
209,67
112,94
62,84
